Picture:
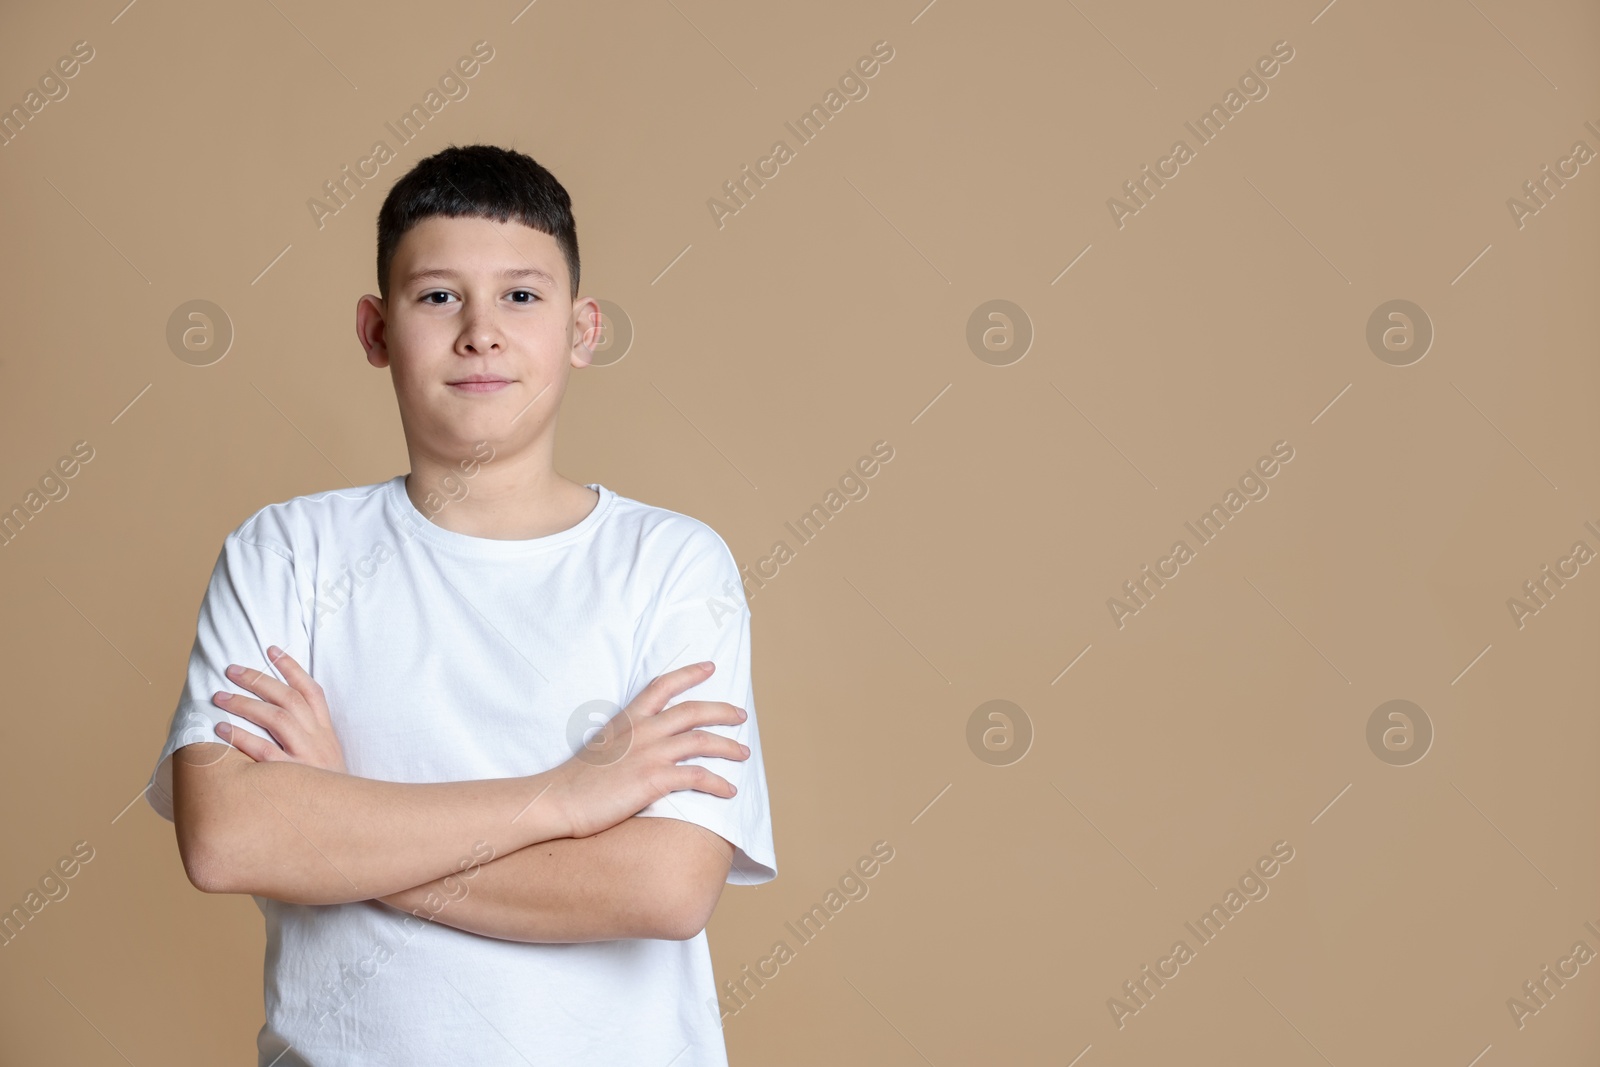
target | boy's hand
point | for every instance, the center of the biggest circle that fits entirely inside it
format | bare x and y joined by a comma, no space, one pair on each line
633,760
295,714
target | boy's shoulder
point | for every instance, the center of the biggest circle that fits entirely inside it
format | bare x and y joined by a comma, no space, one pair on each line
661,529
283,525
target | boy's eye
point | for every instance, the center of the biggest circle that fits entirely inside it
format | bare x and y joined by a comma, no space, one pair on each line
427,298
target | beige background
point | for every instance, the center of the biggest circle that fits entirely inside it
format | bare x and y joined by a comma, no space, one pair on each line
830,313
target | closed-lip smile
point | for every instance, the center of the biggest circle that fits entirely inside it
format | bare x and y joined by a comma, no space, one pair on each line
479,383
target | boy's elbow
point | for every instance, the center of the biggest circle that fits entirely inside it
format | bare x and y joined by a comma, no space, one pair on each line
204,863
201,794
685,922
204,873
697,899
697,871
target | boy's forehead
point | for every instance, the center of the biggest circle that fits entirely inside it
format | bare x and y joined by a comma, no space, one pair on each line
478,245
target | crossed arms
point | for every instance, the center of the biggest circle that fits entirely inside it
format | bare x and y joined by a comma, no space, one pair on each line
571,859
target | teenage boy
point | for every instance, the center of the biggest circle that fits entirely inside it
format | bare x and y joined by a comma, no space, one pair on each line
454,867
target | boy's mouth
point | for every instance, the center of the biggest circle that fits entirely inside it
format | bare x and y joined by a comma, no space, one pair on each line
479,383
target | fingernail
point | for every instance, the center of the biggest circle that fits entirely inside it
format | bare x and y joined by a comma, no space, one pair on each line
707,665
235,670
745,749
743,715
224,728
220,695
273,651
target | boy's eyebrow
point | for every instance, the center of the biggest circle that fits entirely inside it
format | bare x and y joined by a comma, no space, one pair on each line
509,272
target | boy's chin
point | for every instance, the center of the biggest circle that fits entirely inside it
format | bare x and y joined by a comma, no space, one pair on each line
457,431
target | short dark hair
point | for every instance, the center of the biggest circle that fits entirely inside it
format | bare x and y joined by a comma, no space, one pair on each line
480,181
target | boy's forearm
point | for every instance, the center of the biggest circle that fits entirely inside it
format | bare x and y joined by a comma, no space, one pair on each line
642,878
304,835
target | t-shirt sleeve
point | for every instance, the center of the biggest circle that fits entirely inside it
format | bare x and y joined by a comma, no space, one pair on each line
701,614
249,604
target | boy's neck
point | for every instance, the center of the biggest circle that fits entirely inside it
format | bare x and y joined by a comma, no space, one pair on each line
505,498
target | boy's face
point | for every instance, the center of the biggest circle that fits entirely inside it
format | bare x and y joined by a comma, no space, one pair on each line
475,298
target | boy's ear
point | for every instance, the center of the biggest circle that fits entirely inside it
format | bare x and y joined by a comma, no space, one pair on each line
370,329
587,323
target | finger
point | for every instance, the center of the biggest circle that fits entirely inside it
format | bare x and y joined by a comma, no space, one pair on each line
704,781
258,749
297,677
669,685
267,716
263,685
706,743
687,713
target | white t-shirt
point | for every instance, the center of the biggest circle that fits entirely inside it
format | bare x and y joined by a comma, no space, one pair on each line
447,657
